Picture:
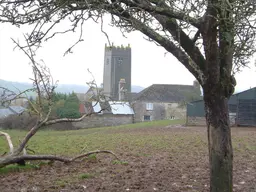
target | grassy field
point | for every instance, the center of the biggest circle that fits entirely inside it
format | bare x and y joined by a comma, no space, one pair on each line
62,142
154,157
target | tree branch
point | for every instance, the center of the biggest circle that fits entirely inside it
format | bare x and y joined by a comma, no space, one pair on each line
163,41
8,95
94,152
179,35
183,39
196,36
11,159
164,11
8,138
50,122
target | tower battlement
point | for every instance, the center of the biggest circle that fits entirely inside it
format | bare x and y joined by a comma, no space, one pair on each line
121,47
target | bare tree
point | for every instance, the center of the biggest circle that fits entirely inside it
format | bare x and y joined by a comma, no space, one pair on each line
213,39
44,87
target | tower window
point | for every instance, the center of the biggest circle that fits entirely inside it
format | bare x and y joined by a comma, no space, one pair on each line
120,61
107,61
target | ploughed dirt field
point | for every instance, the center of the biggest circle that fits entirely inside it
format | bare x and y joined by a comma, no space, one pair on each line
154,158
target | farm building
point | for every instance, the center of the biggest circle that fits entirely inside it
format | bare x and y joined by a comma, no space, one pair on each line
242,110
164,101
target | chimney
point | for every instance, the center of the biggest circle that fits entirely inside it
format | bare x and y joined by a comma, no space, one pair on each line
121,90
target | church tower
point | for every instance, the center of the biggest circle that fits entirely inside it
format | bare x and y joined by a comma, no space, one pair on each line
117,67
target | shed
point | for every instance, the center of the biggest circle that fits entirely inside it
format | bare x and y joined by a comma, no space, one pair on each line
242,109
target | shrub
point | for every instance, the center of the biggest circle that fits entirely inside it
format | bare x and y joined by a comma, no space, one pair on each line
23,121
26,121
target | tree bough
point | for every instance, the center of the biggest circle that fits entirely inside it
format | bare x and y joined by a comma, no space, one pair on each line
8,138
12,159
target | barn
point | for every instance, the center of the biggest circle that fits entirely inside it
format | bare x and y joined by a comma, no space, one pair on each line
242,110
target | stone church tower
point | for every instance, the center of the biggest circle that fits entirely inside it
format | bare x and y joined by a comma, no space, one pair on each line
117,68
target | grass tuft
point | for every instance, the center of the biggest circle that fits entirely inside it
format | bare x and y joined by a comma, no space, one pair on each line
86,176
117,162
17,168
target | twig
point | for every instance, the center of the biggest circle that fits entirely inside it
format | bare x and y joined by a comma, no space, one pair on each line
94,152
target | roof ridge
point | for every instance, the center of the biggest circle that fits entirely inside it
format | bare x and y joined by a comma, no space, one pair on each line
164,92
171,84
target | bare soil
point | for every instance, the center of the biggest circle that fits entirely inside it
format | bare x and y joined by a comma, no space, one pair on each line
186,171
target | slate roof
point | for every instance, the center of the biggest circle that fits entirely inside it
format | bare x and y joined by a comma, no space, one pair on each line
17,109
5,112
131,96
81,96
165,93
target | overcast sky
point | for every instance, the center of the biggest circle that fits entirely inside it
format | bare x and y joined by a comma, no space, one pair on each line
150,65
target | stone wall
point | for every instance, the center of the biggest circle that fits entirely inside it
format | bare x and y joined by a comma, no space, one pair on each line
175,111
201,121
103,120
196,121
160,111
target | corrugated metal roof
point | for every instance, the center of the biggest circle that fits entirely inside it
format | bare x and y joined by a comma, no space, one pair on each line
251,96
114,107
122,108
96,107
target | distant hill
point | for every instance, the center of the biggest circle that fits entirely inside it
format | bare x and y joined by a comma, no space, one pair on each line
62,88
137,89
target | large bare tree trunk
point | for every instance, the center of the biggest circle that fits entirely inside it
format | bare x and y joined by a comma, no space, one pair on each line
219,141
218,87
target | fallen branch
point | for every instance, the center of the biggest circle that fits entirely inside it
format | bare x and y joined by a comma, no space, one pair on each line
8,138
11,159
94,152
